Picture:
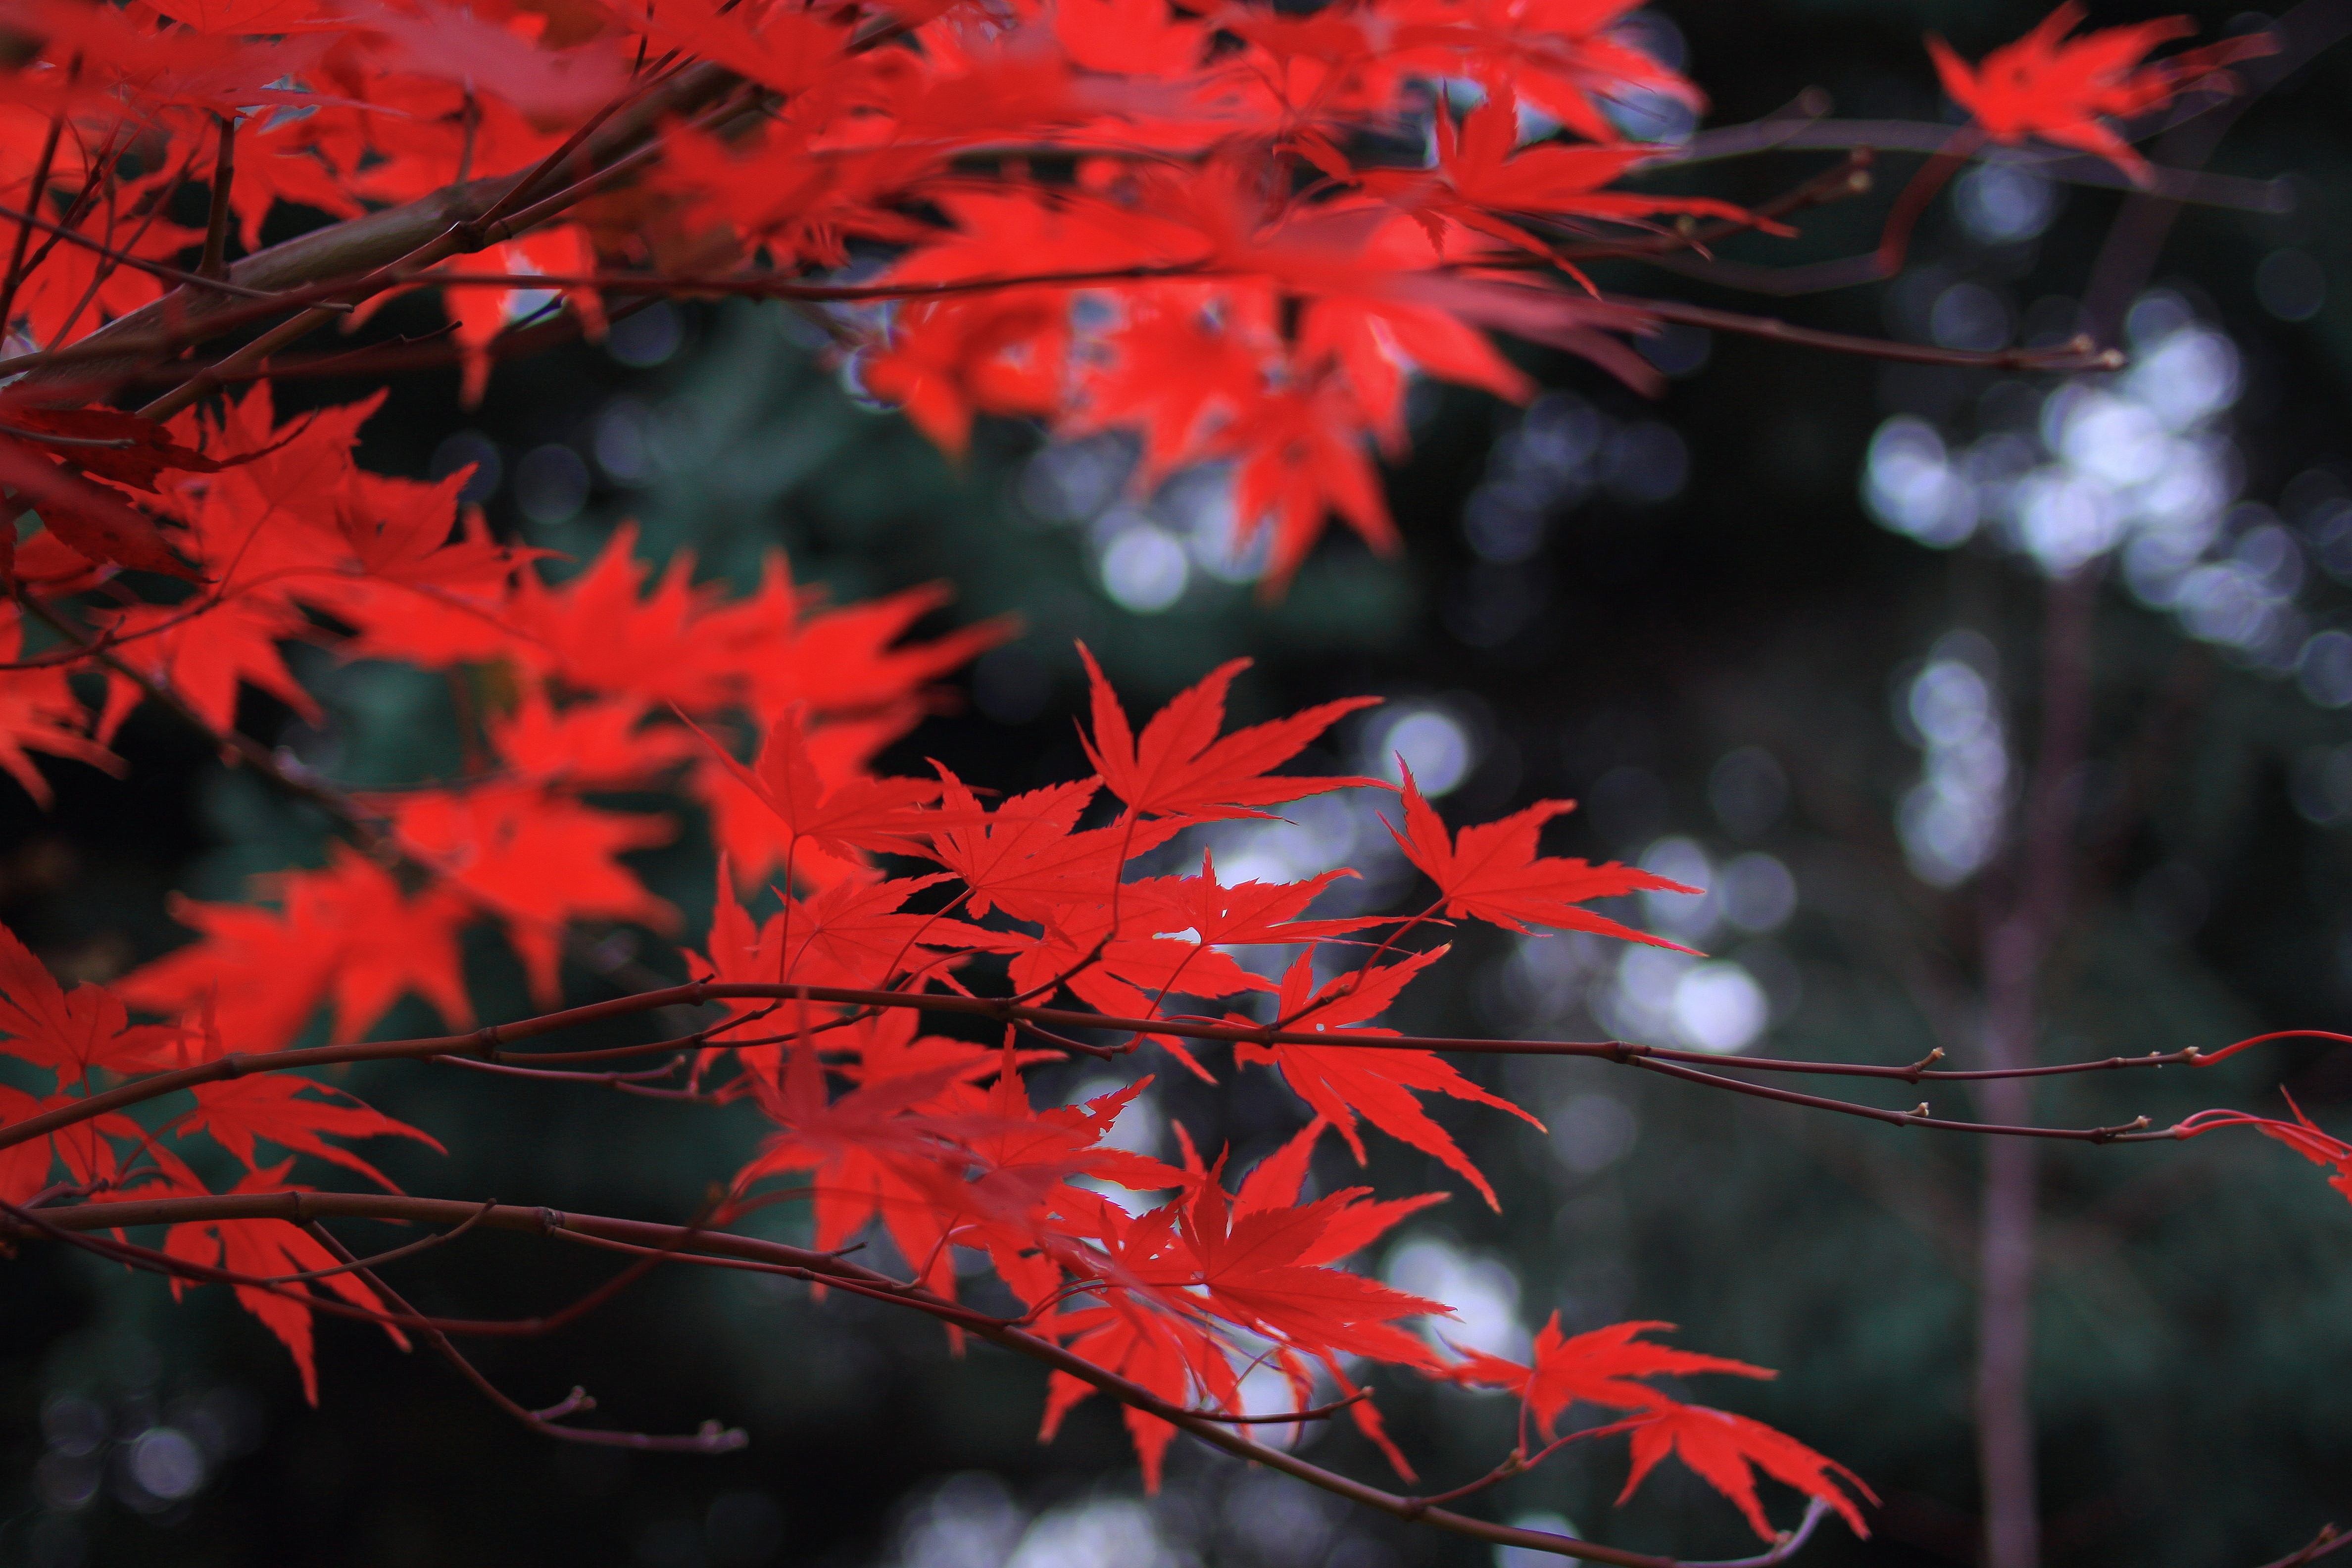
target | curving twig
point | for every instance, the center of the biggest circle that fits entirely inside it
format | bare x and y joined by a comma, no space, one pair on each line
683,1242
712,1438
381,1258
487,1042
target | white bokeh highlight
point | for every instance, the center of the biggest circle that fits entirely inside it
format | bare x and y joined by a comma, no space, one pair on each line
1483,1291
1436,746
2138,463
1950,821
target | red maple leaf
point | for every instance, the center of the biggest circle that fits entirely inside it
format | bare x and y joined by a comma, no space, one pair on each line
1167,939
1493,872
845,660
1131,38
1347,1227
90,518
2064,90
270,1249
838,817
1299,452
349,934
1344,1083
1250,1266
23,1167
756,838
1178,364
803,202
1478,177
950,360
601,744
1255,1258
1598,1367
1180,767
1011,1195
107,443
870,1120
40,711
597,633
896,1144
1024,859
273,1107
204,658
1106,954
71,1034
399,531
1726,1451
857,935
1168,1355
115,1158
538,858
1247,913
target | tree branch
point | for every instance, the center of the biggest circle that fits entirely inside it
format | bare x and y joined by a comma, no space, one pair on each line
215,264
711,1439
681,1241
1927,138
486,1042
356,247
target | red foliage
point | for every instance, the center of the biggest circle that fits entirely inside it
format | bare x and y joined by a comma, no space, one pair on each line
2066,89
1194,224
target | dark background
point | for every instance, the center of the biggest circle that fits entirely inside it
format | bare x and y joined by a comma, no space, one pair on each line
1620,635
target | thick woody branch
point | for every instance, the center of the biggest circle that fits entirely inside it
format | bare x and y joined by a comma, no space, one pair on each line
216,281
360,247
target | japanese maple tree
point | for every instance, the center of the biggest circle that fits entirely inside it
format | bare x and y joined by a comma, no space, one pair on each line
1234,231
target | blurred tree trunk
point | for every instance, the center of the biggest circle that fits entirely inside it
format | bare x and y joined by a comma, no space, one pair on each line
2017,946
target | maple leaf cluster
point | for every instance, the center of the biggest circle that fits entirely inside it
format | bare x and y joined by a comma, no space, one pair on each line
1225,312
1160,1273
1206,225
1233,230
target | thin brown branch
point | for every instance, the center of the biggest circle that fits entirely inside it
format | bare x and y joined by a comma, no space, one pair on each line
1847,179
1786,1547
2080,355
2329,1540
1927,137
1318,1413
607,1080
244,747
215,265
166,1263
711,1439
837,1273
42,166
99,443
486,1043
424,1244
115,258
